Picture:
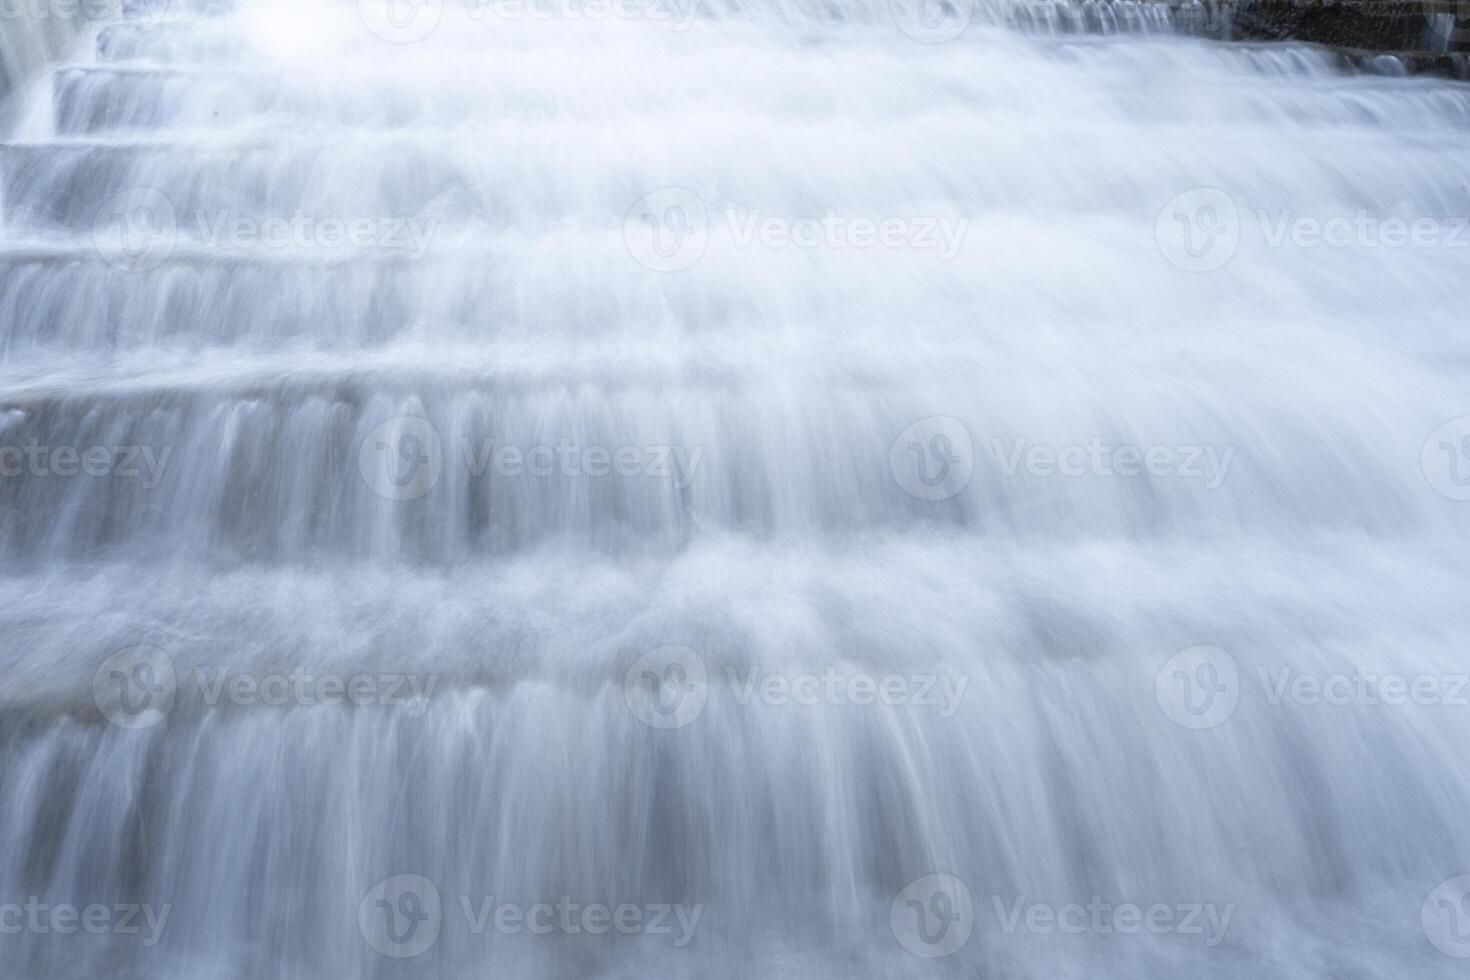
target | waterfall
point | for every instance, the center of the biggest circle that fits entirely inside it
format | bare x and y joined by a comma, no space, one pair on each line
751,488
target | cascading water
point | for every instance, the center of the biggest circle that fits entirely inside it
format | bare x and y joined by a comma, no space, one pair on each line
631,490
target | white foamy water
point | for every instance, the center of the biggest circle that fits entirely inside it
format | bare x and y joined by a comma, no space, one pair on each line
689,476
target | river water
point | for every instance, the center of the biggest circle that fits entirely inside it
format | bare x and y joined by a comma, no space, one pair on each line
783,490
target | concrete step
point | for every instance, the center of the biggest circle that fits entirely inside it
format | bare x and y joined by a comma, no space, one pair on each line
93,99
166,42
1372,26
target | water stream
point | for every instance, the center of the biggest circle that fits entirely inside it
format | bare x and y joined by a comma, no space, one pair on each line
734,463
